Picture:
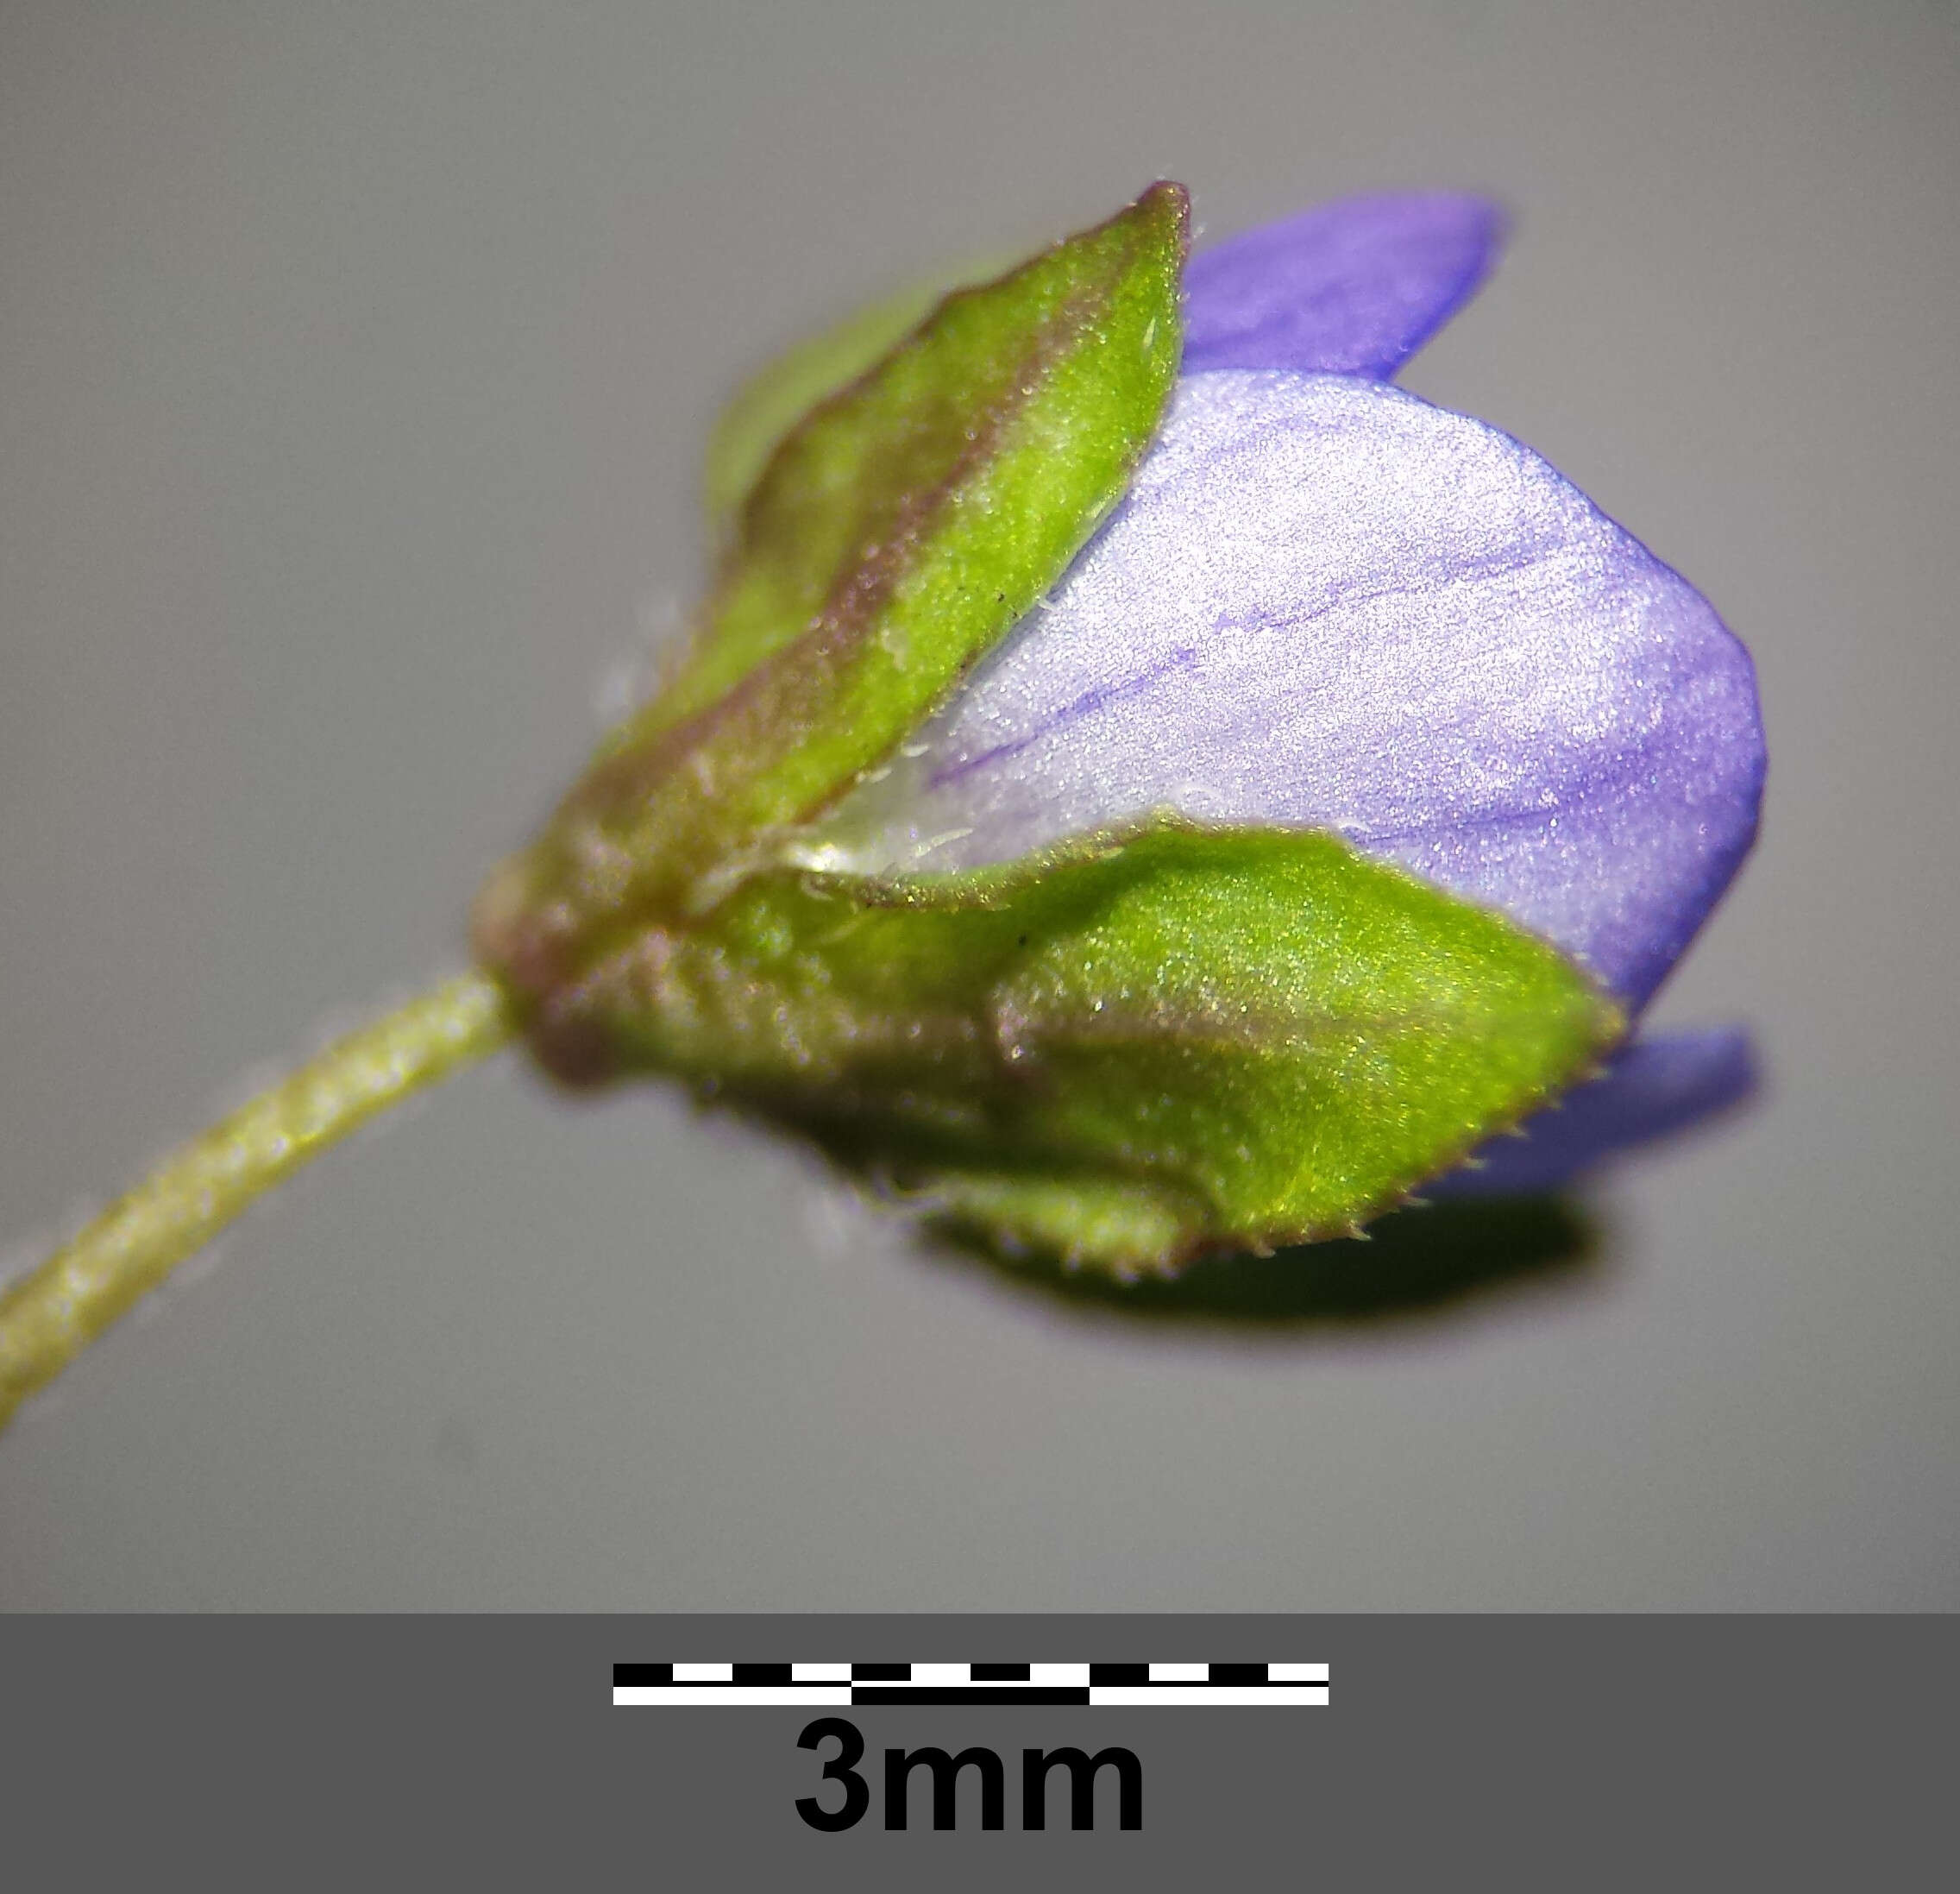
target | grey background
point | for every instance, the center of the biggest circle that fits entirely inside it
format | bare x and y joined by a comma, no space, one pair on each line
354,362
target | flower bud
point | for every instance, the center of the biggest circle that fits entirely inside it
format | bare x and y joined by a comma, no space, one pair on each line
1213,884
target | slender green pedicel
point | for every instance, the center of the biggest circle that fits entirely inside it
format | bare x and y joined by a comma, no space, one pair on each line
51,1315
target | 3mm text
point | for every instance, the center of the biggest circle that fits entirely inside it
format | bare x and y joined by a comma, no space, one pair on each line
1036,1765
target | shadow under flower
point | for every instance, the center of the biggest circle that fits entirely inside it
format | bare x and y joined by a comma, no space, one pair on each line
1416,1264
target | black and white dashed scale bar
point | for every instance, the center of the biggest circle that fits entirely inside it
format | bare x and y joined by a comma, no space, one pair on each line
1095,1685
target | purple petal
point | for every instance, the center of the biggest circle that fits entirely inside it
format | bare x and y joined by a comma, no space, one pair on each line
1656,1087
1350,288
1327,604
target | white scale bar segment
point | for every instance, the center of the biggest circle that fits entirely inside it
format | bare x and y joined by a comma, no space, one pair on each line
1179,1673
1296,1673
820,1673
704,1673
941,1674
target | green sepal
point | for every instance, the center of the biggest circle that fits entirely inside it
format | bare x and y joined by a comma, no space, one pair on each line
1127,1051
1122,1225
896,534
755,418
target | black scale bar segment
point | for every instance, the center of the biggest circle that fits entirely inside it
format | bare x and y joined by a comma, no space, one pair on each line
998,1673
1237,1673
881,1673
1118,1673
625,1674
762,1673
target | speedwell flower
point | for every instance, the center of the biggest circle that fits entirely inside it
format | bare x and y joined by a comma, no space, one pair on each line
1100,943
1325,604
1141,782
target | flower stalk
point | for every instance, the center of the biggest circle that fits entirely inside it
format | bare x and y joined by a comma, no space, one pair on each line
51,1315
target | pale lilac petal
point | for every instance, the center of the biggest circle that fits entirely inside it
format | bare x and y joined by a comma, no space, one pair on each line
1328,605
1349,288
1657,1086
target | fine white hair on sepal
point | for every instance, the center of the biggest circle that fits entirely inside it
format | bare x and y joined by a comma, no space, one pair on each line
636,673
842,1222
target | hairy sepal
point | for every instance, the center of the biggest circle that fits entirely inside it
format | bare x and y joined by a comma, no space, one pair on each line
1127,1051
895,535
755,420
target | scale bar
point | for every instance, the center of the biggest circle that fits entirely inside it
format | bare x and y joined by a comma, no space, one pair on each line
885,1685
